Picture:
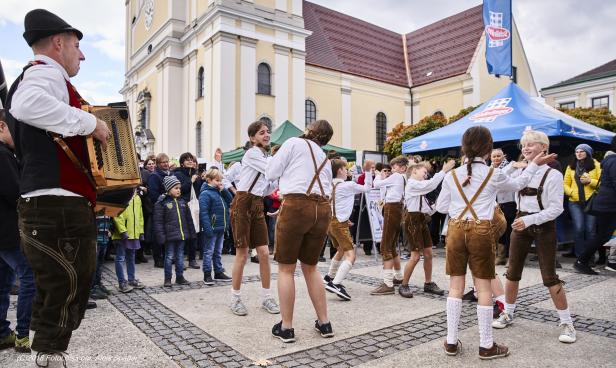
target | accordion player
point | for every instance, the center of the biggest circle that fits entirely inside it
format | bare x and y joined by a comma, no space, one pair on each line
115,171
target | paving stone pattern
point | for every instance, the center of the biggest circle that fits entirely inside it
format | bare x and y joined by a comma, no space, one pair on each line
190,346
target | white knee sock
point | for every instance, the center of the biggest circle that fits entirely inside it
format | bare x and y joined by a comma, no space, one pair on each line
398,274
565,316
388,277
509,309
236,293
484,317
344,269
265,293
333,268
454,308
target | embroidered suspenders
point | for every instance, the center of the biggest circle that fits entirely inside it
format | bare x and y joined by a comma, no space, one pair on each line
317,171
469,204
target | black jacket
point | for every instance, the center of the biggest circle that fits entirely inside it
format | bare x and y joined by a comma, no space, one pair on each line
184,175
172,220
606,196
9,194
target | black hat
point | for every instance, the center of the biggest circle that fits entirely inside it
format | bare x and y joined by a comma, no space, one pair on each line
40,23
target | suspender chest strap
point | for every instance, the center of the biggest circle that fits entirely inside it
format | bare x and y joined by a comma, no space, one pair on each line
535,191
334,198
469,204
254,182
317,171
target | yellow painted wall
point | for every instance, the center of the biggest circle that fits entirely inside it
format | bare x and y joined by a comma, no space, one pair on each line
161,15
265,30
202,6
266,3
324,90
368,98
446,98
151,83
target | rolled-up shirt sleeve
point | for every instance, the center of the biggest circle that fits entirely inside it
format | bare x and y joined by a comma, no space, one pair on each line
40,102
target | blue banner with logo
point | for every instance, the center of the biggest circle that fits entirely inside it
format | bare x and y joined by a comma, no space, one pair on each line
497,25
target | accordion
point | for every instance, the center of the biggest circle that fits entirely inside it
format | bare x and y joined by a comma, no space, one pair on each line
115,171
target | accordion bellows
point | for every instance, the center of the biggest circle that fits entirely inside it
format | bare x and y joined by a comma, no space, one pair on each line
114,170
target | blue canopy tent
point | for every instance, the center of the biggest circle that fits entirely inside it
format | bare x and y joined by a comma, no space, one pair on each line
507,115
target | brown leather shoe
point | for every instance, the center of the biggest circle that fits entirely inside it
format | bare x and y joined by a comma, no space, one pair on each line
496,351
383,289
452,349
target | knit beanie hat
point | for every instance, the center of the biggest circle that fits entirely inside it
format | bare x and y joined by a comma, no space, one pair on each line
169,182
586,148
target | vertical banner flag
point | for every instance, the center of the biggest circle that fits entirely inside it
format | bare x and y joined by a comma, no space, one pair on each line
497,23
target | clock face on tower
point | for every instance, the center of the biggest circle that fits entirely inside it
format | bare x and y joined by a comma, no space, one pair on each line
148,9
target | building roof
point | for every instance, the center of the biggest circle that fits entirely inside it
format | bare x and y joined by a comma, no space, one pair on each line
606,70
445,48
350,45
341,42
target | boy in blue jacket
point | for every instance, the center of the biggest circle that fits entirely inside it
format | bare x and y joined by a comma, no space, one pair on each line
173,226
214,202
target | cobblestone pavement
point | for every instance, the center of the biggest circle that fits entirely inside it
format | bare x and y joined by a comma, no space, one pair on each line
171,336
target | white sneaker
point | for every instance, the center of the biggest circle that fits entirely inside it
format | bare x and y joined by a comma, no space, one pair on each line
237,307
503,320
567,335
270,305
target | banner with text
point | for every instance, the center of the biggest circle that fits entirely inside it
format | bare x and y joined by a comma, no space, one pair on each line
498,29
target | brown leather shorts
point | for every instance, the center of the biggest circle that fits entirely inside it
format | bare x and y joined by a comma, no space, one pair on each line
248,221
340,235
301,228
470,243
544,236
392,217
417,232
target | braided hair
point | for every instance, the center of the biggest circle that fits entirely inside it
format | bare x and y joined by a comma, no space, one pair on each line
320,132
476,142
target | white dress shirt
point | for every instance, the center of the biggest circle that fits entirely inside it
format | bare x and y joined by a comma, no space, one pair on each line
232,175
416,190
551,198
394,186
450,201
42,101
345,196
254,162
293,165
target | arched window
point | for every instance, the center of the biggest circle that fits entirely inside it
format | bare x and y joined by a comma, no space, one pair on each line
267,122
200,83
198,136
311,112
264,86
381,131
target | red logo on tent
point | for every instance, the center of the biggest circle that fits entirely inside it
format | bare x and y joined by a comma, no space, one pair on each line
493,110
497,33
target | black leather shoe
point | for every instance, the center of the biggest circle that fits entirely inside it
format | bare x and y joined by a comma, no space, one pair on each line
584,268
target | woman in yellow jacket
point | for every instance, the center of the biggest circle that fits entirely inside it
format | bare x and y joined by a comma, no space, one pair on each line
580,182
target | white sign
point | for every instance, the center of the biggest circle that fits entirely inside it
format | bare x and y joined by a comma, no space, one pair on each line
372,199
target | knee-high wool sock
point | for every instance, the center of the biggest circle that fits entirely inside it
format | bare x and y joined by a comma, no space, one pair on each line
484,317
333,268
388,277
343,270
454,308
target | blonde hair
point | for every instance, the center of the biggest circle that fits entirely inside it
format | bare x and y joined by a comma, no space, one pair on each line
417,165
212,174
535,136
